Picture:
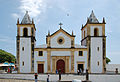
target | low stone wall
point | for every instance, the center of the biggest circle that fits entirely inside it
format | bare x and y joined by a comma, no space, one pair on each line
105,78
112,67
17,80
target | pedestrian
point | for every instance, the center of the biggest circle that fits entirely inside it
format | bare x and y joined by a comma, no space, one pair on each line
78,72
8,70
82,71
56,71
59,74
48,78
36,77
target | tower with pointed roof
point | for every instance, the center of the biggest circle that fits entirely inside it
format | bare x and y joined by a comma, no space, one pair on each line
25,44
93,37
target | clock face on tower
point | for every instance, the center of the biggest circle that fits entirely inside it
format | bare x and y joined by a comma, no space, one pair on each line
60,40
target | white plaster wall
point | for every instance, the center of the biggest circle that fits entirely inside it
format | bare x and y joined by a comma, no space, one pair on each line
112,67
96,55
62,53
92,30
40,58
55,44
29,31
78,58
25,55
84,42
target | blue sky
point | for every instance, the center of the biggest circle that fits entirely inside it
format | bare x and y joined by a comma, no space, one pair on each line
48,14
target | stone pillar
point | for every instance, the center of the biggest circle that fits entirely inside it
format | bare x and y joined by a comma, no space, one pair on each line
104,54
72,61
48,61
53,64
67,65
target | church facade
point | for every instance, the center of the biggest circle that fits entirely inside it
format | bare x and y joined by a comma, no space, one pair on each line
60,51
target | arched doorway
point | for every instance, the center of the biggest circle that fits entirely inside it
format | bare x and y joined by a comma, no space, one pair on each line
61,65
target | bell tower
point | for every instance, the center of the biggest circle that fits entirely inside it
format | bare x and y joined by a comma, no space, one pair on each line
93,36
25,44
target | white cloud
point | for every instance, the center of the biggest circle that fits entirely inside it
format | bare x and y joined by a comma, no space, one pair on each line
35,7
15,15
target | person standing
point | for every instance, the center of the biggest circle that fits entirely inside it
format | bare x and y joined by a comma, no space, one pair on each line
80,71
36,75
48,78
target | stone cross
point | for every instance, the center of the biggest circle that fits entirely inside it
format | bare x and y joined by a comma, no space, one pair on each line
60,24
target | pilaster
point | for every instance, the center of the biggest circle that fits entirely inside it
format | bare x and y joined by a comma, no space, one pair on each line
53,64
104,54
48,61
67,65
72,61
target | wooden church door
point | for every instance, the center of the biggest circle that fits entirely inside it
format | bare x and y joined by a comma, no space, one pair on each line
61,65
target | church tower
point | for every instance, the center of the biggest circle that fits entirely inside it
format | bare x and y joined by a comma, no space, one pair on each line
25,44
93,36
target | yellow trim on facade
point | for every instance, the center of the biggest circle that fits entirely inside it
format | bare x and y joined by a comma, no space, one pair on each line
72,61
60,49
48,61
61,30
26,25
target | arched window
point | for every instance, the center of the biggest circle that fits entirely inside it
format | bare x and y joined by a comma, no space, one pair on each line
25,32
96,32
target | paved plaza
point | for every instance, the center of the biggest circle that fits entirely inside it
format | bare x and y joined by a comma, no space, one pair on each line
42,77
65,77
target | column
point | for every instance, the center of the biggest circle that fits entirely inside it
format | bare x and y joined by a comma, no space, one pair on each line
53,64
72,61
67,65
48,61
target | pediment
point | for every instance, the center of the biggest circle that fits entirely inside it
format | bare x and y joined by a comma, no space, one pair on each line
63,31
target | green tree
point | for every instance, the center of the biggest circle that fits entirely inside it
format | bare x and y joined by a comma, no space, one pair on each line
107,60
6,57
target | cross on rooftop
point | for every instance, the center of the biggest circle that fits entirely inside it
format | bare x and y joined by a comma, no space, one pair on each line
60,24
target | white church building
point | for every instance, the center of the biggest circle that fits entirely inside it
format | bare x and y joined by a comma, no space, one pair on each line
60,50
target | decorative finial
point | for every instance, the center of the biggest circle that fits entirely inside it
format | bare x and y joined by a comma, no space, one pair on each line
60,25
18,21
32,21
82,25
72,32
48,33
104,21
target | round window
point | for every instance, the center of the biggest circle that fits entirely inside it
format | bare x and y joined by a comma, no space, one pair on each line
60,40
